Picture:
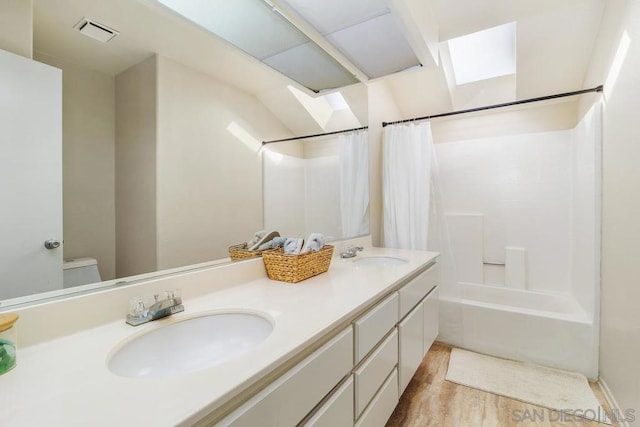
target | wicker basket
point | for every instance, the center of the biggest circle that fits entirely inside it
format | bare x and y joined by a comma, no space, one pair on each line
240,252
296,268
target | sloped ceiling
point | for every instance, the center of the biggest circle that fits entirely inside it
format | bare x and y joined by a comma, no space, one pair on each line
554,44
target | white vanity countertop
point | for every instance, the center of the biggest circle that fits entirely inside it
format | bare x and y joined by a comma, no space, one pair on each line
66,382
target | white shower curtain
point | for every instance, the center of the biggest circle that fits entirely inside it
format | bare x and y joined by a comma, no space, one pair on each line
353,154
406,169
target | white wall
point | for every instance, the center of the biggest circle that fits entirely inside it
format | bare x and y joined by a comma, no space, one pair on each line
322,197
302,195
538,117
16,27
88,144
616,63
209,172
136,236
189,174
585,210
521,187
284,203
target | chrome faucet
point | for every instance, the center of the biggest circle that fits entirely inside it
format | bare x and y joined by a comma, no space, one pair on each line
351,251
143,310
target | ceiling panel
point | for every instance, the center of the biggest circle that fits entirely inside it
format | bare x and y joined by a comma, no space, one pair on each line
249,24
312,67
329,16
376,46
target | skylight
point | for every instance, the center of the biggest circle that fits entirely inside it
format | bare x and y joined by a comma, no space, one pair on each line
484,55
330,111
336,101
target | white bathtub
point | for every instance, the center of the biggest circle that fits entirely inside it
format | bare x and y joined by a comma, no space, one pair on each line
548,329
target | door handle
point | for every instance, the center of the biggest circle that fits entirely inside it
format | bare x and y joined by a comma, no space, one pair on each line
52,244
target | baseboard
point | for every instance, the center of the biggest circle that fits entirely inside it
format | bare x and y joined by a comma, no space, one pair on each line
611,400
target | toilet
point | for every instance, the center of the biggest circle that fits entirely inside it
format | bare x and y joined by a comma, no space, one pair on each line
80,271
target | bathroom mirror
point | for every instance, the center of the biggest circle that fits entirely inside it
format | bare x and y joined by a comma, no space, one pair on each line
162,129
318,185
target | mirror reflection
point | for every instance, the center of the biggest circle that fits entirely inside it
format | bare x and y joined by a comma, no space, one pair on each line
153,161
319,185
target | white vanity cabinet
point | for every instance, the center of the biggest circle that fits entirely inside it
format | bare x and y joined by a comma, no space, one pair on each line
418,327
431,319
357,377
411,349
417,288
370,328
337,411
376,358
372,373
291,397
382,405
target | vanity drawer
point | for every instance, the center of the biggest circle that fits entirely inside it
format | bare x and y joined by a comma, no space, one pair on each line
337,411
416,289
291,397
382,405
376,368
374,325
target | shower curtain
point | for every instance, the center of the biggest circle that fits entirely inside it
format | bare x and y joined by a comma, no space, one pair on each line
353,155
406,177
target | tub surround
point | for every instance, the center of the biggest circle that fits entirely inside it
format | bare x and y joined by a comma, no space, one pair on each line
548,329
62,376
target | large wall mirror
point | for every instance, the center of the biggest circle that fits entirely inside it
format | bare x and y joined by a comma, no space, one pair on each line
161,158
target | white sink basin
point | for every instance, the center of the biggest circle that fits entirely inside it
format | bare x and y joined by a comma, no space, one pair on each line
190,345
380,260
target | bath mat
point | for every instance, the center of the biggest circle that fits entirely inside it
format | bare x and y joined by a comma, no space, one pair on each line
526,382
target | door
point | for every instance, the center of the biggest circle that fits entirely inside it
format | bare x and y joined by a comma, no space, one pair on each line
30,176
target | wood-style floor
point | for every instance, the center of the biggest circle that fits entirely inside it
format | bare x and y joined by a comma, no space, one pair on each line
429,400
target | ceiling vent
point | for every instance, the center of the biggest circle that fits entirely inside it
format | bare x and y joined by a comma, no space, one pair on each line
95,30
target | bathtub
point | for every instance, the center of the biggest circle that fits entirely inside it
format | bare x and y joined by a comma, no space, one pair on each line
544,328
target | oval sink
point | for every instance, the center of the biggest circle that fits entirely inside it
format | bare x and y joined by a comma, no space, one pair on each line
190,345
380,260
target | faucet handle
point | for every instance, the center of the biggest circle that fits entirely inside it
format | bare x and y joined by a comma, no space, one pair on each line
139,307
173,294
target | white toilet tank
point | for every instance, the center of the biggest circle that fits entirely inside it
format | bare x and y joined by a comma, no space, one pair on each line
80,271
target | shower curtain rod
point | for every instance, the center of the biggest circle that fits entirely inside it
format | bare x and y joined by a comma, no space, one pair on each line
315,135
490,107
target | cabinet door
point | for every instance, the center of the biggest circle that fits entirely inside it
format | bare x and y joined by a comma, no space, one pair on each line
382,405
411,348
430,306
337,411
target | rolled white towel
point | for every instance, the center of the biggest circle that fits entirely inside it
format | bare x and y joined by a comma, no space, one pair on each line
277,242
293,246
314,243
262,237
256,238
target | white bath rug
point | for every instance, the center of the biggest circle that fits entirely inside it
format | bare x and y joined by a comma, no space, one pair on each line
550,388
